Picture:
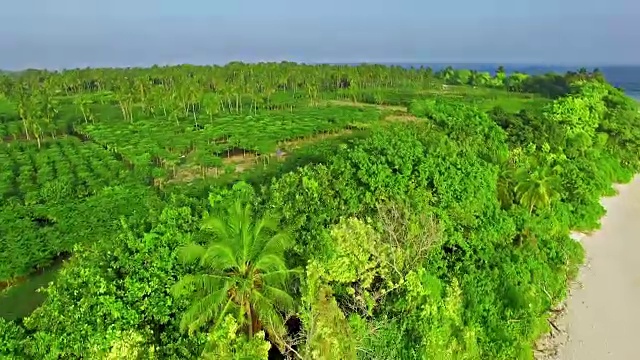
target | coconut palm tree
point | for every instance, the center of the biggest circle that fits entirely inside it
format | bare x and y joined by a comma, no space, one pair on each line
536,188
242,272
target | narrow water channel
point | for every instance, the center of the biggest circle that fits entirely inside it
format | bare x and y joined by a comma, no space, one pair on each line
18,301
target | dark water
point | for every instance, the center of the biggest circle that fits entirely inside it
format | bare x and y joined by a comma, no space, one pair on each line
625,77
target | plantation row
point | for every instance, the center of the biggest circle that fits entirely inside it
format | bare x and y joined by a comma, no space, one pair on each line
204,144
62,170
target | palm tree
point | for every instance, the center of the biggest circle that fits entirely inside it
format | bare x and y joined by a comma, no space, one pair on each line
536,189
242,272
506,187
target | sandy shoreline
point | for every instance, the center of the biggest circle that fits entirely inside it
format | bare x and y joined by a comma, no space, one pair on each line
601,317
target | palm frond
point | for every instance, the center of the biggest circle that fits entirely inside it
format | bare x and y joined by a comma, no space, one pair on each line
219,256
269,316
262,236
191,253
259,238
183,286
279,243
280,298
204,310
269,263
279,277
265,224
246,233
217,225
237,216
209,283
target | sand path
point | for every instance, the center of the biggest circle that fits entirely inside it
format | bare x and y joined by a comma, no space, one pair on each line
603,312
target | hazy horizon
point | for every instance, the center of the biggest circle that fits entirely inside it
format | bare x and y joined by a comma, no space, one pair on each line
435,65
90,33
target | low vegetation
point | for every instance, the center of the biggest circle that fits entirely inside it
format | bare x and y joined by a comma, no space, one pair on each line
275,211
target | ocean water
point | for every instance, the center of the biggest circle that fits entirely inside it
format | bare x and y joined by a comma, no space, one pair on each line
625,77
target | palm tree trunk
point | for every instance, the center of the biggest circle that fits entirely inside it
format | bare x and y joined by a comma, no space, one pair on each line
257,325
26,129
251,320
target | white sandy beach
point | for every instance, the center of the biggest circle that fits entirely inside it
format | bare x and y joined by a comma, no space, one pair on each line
603,311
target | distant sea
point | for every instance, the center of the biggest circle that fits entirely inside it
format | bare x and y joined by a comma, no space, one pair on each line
625,77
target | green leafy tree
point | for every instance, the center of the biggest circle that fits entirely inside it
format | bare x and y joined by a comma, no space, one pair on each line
327,333
129,345
225,343
242,272
434,319
12,337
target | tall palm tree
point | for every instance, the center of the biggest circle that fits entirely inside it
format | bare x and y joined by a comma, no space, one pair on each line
242,272
536,188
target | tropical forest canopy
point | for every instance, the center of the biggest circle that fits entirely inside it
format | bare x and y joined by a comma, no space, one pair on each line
270,211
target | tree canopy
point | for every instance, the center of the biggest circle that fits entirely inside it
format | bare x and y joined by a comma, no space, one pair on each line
266,211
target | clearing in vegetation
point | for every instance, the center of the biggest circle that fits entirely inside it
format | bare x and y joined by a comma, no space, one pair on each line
269,211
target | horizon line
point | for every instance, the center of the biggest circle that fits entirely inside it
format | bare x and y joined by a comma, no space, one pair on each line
388,63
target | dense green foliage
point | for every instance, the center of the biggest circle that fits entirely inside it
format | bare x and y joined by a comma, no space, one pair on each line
33,235
444,235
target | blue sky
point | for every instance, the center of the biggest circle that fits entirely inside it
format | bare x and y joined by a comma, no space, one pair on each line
79,33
